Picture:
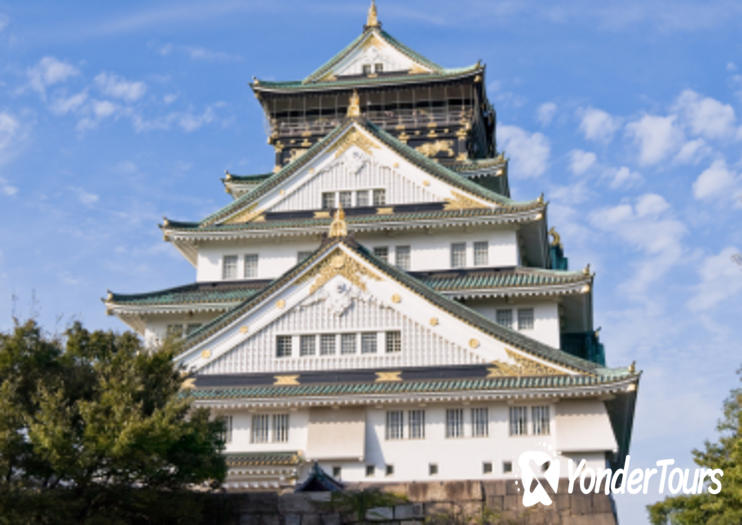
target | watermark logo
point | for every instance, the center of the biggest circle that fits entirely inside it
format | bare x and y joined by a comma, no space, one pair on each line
536,466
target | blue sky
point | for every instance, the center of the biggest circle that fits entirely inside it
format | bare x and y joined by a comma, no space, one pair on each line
627,115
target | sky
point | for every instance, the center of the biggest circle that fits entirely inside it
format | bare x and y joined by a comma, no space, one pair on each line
627,115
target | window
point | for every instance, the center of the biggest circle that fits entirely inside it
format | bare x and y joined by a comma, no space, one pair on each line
479,422
390,470
454,422
394,424
382,252
458,255
192,327
229,267
259,430
368,343
481,253
348,344
366,69
280,428
251,266
507,466
378,67
346,199
393,342
283,346
362,198
505,318
432,469
540,418
227,432
402,257
336,472
525,319
327,344
379,197
370,469
174,331
487,467
307,345
328,200
302,256
518,421
416,424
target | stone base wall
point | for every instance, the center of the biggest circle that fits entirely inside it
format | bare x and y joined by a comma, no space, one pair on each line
452,502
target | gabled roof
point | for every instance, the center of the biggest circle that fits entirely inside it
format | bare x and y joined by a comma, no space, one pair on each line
423,162
503,334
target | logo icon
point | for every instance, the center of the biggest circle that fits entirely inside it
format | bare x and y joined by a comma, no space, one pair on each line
533,462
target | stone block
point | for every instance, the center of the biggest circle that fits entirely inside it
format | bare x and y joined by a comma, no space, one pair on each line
513,487
593,519
330,519
411,522
270,519
249,519
494,487
292,519
380,514
512,502
602,504
495,503
581,503
438,508
311,519
408,511
259,503
295,503
562,501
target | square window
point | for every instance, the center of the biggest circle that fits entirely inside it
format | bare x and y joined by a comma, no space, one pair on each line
229,267
487,467
505,318
327,344
348,344
363,198
280,428
525,318
328,200
454,423
393,342
346,199
307,345
481,253
368,343
336,472
382,252
366,69
402,257
227,432
379,197
394,424
302,256
507,466
458,255
540,419
389,470
251,266
518,421
479,422
259,428
416,424
432,469
370,469
378,67
283,346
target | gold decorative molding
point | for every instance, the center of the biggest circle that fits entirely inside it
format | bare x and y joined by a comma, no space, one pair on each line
396,299
426,182
338,227
306,133
338,263
459,201
244,329
354,105
384,211
295,154
281,303
474,343
286,380
433,148
322,214
372,20
524,366
403,137
417,69
305,143
246,215
434,321
395,165
205,354
188,384
353,137
462,157
388,377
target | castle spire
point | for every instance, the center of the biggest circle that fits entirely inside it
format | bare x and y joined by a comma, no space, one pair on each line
338,227
372,20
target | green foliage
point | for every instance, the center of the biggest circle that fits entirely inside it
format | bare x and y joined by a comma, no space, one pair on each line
724,508
358,502
93,429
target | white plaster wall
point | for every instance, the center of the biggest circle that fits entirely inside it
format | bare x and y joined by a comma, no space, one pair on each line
428,251
241,431
156,325
545,317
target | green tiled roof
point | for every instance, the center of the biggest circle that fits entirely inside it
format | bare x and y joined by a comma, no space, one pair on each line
427,386
417,158
202,292
255,459
255,177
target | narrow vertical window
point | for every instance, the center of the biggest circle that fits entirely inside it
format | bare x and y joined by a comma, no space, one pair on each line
328,200
251,266
505,317
327,344
307,345
362,198
280,428
540,419
432,469
368,343
393,342
487,467
229,267
454,422
259,428
525,319
479,422
379,197
458,255
518,421
402,257
370,469
394,424
346,199
481,253
283,346
416,424
348,344
227,432
382,252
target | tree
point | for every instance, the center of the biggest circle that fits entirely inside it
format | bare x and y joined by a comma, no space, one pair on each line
94,429
724,508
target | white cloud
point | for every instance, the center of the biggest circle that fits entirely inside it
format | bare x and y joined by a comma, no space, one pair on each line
692,152
103,108
6,188
117,87
720,279
187,121
49,71
650,205
169,98
4,21
9,129
580,161
597,125
62,105
705,116
528,151
200,53
545,113
731,66
716,181
656,137
624,177
85,197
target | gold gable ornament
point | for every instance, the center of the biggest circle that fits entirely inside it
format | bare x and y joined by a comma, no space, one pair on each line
372,19
354,105
338,227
